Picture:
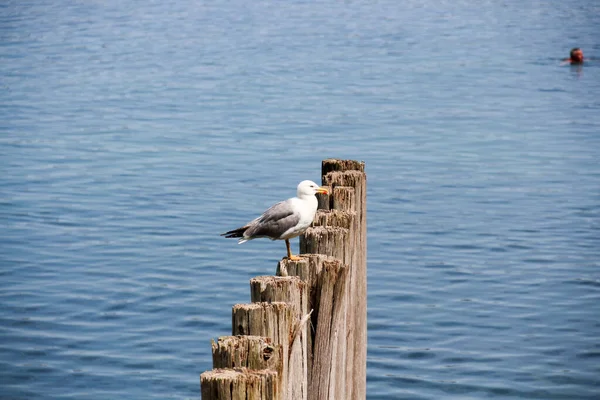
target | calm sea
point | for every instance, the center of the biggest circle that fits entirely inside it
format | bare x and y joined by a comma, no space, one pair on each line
133,133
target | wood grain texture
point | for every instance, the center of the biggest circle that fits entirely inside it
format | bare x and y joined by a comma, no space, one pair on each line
339,231
292,291
252,352
239,384
342,175
273,320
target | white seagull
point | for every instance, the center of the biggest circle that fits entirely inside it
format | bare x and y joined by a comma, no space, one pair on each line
284,220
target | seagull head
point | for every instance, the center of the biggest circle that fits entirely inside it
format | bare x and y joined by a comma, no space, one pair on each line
309,188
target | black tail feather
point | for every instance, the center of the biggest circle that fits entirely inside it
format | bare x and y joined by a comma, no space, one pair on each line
236,233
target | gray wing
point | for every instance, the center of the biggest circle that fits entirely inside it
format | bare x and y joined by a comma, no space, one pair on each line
274,222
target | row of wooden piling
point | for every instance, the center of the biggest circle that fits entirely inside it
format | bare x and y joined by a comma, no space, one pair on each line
304,335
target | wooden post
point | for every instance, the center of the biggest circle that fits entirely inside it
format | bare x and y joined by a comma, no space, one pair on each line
326,279
275,320
252,352
239,384
340,231
292,291
304,335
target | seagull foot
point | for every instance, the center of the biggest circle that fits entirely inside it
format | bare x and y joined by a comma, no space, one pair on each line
294,258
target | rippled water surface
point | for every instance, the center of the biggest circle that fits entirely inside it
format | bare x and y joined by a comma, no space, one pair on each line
133,133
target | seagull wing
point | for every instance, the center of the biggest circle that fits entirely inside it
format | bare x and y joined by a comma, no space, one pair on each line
274,222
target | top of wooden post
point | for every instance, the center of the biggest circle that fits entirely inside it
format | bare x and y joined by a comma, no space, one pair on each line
334,164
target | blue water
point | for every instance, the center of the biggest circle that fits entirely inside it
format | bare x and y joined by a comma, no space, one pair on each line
133,133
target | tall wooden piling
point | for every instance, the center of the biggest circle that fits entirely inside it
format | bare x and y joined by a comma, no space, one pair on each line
346,218
304,335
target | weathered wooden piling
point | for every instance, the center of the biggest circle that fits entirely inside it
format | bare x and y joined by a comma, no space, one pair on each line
292,291
239,384
252,352
346,217
304,334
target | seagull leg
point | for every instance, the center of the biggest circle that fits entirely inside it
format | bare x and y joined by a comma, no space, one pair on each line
289,251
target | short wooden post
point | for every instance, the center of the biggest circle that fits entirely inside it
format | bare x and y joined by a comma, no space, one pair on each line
252,352
274,320
326,280
292,291
239,384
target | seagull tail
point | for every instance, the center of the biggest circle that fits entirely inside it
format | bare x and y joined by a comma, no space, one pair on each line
237,233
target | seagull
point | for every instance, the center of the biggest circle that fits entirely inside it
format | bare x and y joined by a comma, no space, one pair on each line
284,220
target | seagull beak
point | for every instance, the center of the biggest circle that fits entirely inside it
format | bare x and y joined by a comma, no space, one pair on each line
322,190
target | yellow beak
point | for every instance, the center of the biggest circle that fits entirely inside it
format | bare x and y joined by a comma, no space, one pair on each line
322,190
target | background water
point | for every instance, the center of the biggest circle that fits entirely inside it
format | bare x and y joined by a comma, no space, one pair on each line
133,133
